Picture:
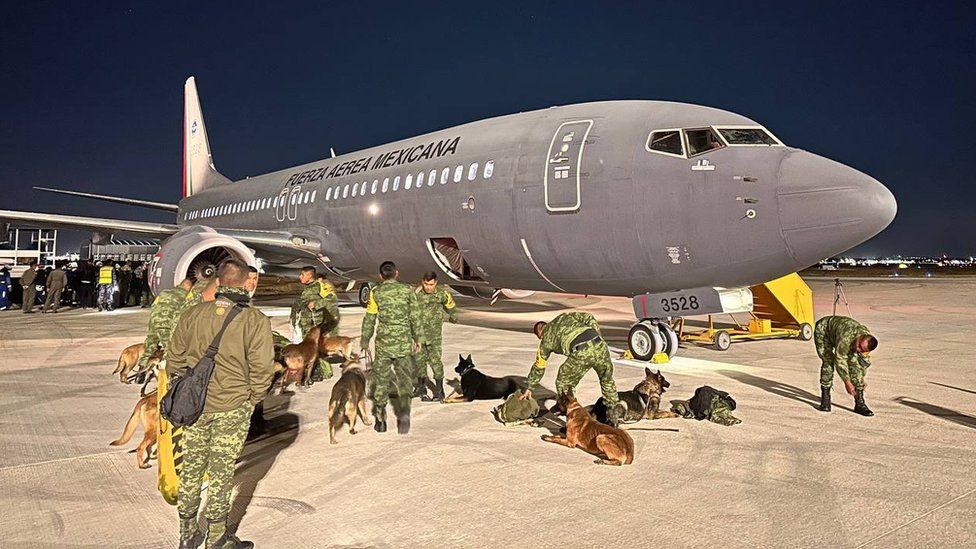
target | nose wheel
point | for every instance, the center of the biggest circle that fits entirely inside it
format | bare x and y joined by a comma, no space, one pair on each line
651,336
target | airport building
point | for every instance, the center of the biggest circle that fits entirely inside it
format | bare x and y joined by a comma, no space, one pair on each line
21,247
118,249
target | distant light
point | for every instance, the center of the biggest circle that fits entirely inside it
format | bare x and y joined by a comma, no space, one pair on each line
374,209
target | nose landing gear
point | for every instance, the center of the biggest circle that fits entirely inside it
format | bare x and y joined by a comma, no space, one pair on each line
651,336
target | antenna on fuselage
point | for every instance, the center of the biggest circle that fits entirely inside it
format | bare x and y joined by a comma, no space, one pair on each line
331,150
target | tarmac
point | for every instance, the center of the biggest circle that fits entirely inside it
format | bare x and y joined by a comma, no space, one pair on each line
787,476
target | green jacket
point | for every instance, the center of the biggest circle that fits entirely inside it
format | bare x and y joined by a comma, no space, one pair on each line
430,313
557,337
394,305
244,366
299,309
834,337
195,295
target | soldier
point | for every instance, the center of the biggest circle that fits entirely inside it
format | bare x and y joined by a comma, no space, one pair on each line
844,344
310,309
165,312
252,280
4,288
106,286
243,372
56,281
577,336
27,285
328,293
125,283
394,305
202,290
432,303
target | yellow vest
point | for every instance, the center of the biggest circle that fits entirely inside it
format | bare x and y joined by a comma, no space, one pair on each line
105,275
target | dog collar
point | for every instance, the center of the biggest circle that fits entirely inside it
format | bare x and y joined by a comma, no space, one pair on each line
468,369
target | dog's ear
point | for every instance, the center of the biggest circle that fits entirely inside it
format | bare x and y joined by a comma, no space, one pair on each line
469,357
460,357
647,372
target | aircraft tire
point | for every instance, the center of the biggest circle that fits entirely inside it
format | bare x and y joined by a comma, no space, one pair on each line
669,338
644,340
363,294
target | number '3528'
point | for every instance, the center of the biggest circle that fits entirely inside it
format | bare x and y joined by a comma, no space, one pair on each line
679,304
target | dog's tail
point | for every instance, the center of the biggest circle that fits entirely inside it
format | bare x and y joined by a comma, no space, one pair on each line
129,430
121,364
339,411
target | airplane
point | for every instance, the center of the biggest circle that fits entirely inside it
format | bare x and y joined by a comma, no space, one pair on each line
680,207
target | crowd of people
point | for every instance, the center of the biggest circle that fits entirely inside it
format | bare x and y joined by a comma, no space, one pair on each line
105,285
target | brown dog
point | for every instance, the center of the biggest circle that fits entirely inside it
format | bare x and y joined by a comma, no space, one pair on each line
300,359
147,414
612,445
348,400
128,360
338,346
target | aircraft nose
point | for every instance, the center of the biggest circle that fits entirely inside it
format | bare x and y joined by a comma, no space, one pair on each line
827,208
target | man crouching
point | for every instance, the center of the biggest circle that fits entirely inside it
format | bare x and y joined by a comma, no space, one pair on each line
243,372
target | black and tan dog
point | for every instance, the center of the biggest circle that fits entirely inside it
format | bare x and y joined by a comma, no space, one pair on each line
643,402
478,386
348,399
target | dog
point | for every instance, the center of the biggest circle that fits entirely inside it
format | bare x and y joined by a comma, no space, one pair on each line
478,386
146,413
128,360
338,346
611,445
301,358
643,402
348,399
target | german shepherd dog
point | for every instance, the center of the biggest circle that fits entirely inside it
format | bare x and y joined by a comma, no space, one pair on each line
643,402
147,414
478,386
611,445
128,360
301,358
348,399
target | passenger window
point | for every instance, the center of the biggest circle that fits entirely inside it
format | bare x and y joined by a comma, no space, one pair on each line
666,141
458,174
386,184
473,172
420,180
355,189
328,194
396,183
376,182
307,196
313,194
445,173
747,136
489,168
362,189
431,177
408,183
702,141
345,191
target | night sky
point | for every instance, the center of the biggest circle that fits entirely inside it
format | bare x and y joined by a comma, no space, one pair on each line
91,98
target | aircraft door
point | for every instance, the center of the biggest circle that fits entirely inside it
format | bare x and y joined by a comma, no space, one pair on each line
280,205
562,178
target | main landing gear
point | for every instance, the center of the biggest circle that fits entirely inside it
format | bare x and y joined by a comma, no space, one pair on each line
651,336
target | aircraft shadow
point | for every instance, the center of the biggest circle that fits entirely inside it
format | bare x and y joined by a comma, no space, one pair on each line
947,414
779,389
970,391
265,442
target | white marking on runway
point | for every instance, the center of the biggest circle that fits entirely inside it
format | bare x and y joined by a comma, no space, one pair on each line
923,515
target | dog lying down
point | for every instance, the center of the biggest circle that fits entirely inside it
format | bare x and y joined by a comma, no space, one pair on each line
611,445
643,402
478,386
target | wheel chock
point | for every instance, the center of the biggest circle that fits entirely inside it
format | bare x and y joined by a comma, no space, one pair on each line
628,355
660,358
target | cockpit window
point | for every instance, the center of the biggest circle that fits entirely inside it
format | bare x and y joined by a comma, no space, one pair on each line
747,136
666,142
702,140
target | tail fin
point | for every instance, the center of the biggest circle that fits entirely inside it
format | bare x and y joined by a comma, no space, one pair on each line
198,168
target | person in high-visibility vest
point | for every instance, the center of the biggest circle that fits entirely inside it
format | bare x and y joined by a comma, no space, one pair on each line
106,286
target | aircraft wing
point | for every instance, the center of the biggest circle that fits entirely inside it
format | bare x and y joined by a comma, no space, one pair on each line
58,221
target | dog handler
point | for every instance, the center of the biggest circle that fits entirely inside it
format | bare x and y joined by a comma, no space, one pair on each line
243,372
844,344
432,303
577,336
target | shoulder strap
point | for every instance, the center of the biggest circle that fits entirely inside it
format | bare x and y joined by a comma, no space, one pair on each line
212,349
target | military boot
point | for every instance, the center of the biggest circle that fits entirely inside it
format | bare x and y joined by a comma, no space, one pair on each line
380,419
219,538
859,406
439,390
403,422
420,389
824,399
190,535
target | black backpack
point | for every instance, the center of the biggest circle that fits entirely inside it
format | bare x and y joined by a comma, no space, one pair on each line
183,402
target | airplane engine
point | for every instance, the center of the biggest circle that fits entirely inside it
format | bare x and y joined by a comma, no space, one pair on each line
194,252
482,292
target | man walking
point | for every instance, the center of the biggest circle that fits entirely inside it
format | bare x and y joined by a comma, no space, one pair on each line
394,305
243,372
27,285
56,281
844,345
433,303
577,336
163,315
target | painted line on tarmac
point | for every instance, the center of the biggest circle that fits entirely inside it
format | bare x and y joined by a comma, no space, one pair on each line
923,515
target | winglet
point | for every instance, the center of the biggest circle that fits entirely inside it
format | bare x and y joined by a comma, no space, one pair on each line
199,172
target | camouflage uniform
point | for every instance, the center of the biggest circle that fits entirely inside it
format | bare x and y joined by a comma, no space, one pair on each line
834,337
306,319
328,293
195,295
162,319
430,319
557,337
394,304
